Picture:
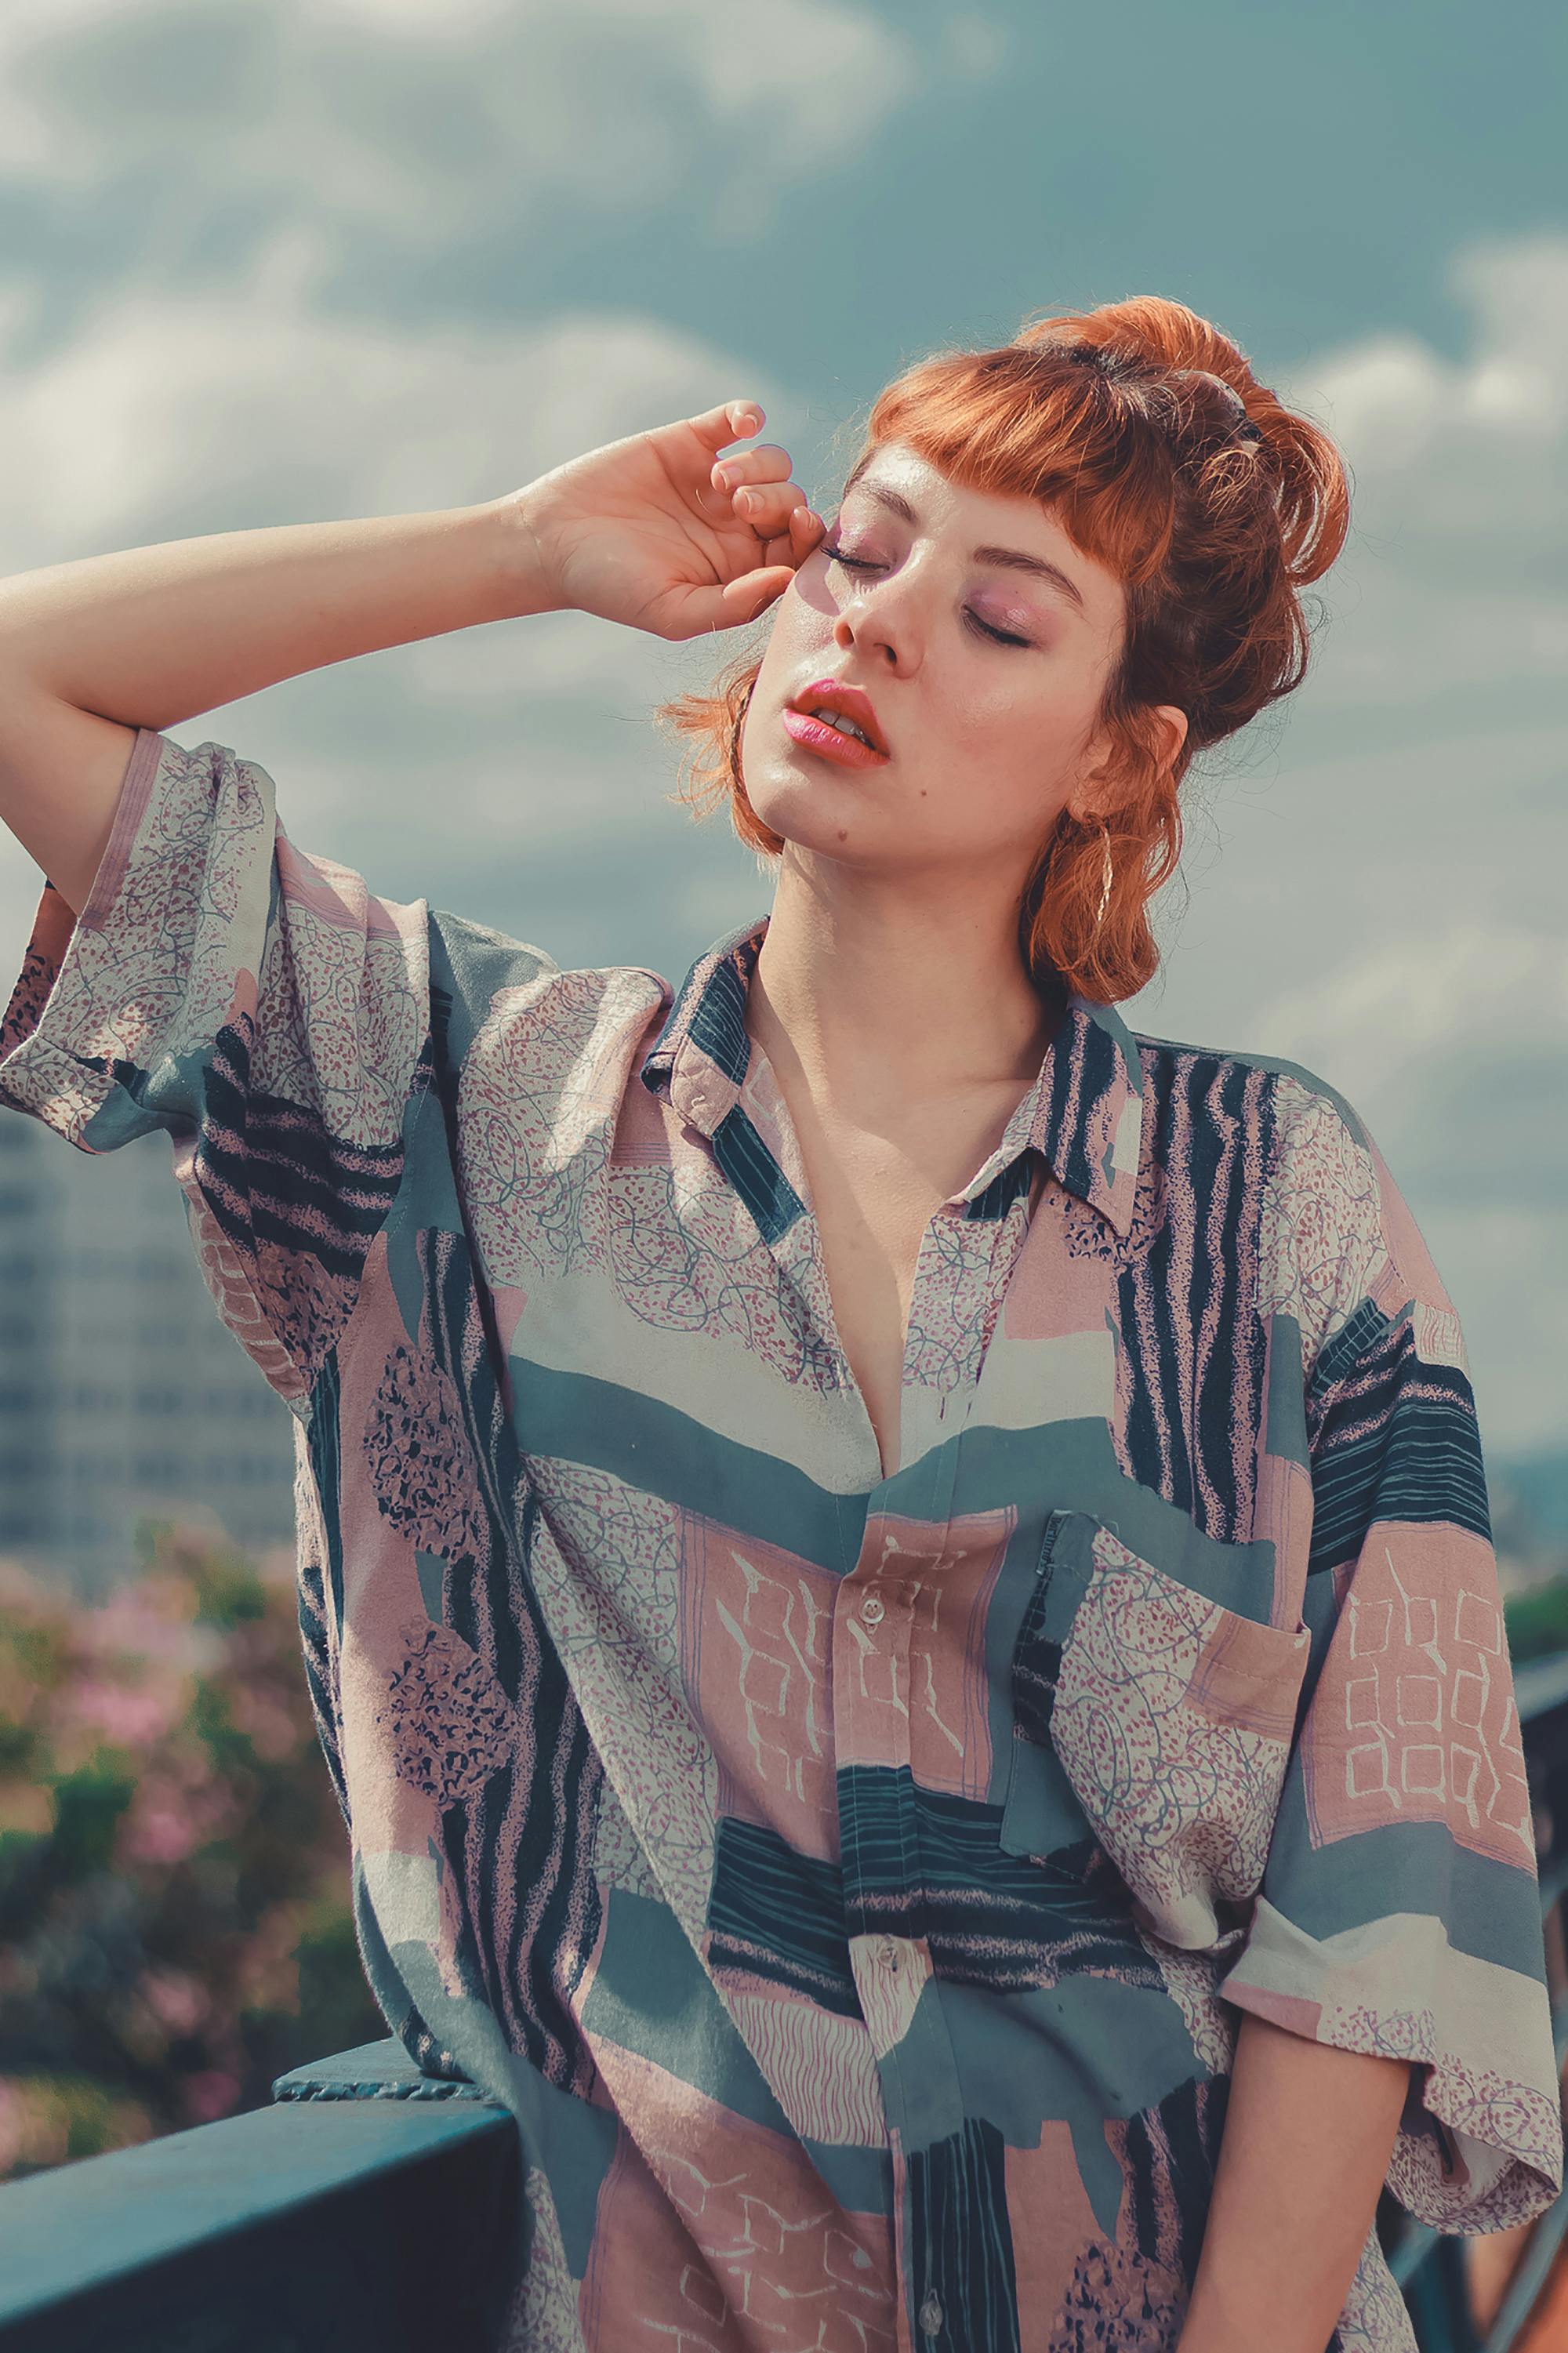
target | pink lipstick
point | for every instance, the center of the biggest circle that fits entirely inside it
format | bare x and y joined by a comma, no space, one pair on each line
830,743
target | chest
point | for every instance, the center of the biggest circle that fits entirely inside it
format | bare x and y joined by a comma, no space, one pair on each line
875,1198
872,1212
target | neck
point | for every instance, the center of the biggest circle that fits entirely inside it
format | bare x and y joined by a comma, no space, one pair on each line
895,990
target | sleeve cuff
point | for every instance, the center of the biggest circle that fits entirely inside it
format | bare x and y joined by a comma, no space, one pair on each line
1480,2146
134,792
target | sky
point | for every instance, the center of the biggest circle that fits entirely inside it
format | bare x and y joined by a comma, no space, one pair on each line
276,263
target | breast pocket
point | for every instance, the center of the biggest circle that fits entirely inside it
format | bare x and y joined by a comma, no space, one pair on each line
1170,1716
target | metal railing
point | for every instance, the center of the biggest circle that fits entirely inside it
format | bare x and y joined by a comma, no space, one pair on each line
371,2208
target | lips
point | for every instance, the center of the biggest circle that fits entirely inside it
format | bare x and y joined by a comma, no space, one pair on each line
830,697
828,742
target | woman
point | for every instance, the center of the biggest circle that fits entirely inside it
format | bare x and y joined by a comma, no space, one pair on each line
895,1575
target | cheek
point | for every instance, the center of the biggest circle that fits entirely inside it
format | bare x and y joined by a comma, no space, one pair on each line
806,612
796,631
1005,737
999,771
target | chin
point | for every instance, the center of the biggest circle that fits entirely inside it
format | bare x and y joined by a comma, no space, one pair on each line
825,813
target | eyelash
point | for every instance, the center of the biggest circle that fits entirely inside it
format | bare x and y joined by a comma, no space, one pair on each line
998,637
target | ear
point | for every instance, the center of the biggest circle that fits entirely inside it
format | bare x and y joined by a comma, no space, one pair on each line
1172,726
1163,729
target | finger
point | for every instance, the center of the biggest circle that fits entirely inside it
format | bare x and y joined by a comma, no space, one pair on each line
766,463
768,506
732,420
803,534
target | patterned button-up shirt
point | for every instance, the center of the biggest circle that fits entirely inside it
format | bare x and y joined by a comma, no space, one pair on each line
850,1883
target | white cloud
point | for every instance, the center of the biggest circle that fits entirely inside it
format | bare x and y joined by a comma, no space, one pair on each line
423,122
1486,979
1456,568
1464,1014
1391,401
161,407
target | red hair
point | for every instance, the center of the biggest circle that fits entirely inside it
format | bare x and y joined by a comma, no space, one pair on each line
1098,416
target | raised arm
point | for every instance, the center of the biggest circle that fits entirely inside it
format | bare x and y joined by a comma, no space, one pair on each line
637,531
149,637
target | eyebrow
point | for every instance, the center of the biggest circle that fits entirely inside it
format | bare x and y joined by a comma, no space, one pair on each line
1012,559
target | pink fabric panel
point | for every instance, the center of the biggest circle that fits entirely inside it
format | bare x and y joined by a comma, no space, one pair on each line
716,2234
1044,2183
913,1688
1414,1718
756,1626
1053,1294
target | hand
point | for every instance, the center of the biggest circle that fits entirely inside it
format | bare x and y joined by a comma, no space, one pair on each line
656,532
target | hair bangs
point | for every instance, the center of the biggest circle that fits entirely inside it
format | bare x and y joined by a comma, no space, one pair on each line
1035,425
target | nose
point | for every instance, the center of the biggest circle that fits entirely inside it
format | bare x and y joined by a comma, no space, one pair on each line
875,622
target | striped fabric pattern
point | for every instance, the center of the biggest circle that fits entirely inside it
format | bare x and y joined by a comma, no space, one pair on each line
851,1881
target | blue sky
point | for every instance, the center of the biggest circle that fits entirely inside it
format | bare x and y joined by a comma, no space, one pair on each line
272,263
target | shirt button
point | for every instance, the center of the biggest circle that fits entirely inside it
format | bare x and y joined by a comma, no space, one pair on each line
871,1609
930,2315
887,1953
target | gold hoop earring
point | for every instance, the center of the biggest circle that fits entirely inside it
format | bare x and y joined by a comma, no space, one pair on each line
1105,869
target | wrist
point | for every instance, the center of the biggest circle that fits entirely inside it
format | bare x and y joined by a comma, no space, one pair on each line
526,582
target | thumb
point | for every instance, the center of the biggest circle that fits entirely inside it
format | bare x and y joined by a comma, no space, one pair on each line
747,599
702,612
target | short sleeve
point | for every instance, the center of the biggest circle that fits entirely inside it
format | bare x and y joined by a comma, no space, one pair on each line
263,1007
1399,1912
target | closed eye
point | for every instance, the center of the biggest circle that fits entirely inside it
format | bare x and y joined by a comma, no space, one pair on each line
860,564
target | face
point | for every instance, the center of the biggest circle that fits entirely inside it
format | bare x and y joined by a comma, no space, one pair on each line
983,639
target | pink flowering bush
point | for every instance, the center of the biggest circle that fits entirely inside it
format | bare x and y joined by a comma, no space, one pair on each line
174,1921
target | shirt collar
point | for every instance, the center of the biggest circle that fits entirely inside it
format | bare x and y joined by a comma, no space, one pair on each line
1084,1113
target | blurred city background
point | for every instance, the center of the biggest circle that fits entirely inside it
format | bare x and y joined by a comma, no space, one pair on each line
280,262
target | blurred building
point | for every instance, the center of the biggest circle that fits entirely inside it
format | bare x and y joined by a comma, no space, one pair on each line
122,1393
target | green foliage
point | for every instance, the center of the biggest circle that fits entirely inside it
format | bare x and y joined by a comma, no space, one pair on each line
1537,1620
229,1592
89,1805
174,1920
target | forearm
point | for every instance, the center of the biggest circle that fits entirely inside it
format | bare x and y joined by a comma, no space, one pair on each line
149,636
1309,2130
